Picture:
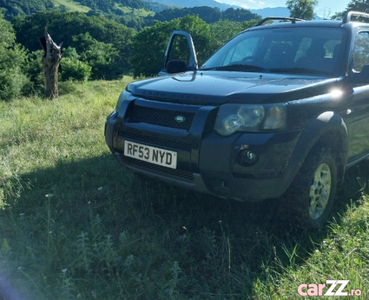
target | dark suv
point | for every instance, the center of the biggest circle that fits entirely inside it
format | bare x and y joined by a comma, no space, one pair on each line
280,111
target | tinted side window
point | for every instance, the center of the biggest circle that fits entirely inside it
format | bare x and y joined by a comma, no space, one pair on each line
361,51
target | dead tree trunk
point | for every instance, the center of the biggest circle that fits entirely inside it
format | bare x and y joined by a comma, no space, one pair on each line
50,63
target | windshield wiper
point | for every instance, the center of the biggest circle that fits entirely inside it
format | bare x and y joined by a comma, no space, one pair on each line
297,70
240,67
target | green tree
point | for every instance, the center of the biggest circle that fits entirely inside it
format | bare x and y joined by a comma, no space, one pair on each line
65,27
12,62
35,73
102,57
208,14
222,31
14,8
303,9
358,5
72,68
155,39
239,15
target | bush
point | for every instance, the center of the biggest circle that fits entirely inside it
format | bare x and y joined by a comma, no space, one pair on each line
34,71
12,82
74,69
12,62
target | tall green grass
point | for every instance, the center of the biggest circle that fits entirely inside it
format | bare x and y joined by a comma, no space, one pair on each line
75,225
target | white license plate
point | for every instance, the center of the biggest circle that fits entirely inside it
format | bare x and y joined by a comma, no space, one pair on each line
150,154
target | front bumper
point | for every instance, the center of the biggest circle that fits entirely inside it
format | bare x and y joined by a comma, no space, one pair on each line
208,162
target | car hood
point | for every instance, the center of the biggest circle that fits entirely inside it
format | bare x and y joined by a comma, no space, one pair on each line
217,87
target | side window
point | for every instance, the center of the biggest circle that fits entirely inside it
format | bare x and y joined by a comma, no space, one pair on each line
361,51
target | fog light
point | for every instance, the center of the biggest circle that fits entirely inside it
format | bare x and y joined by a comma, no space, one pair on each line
248,157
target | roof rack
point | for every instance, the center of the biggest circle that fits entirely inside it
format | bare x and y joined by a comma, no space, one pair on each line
281,19
360,17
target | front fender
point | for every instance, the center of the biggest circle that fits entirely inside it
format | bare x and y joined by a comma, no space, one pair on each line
327,129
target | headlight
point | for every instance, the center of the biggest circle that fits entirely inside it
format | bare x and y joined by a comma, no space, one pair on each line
123,96
249,117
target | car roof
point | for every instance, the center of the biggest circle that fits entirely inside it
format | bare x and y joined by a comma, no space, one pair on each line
320,23
352,19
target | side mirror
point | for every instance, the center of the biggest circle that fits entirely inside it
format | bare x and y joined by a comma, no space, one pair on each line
180,45
361,77
176,66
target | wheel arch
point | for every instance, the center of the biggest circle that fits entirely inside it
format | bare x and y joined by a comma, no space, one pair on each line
326,130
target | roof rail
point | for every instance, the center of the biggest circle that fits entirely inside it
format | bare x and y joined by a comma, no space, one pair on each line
361,16
281,19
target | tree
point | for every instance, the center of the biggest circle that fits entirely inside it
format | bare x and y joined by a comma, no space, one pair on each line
207,39
50,63
102,57
155,38
68,26
12,62
358,5
224,30
303,9
72,68
14,8
239,15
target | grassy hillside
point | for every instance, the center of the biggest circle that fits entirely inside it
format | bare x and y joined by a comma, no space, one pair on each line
71,5
135,8
137,12
75,225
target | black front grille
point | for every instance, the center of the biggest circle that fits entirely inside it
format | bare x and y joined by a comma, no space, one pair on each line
157,141
161,117
177,173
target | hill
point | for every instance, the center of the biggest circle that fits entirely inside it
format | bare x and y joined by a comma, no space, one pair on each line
272,11
132,12
24,7
194,3
67,5
114,7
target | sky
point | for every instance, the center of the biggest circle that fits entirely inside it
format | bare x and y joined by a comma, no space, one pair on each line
324,7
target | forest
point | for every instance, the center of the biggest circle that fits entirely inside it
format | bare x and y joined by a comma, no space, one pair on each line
26,7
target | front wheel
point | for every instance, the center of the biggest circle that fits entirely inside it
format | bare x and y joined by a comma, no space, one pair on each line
310,198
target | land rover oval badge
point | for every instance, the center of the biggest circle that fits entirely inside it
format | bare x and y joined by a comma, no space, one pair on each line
180,119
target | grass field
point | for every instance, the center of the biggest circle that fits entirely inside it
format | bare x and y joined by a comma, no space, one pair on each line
75,225
71,5
133,11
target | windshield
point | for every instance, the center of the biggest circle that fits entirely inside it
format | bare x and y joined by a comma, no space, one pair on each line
302,50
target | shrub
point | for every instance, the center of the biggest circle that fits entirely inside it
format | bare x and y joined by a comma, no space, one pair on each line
73,69
12,61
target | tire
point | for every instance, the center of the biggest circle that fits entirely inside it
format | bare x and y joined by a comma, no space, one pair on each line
310,198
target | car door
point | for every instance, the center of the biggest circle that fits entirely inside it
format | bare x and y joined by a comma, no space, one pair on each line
180,55
358,111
